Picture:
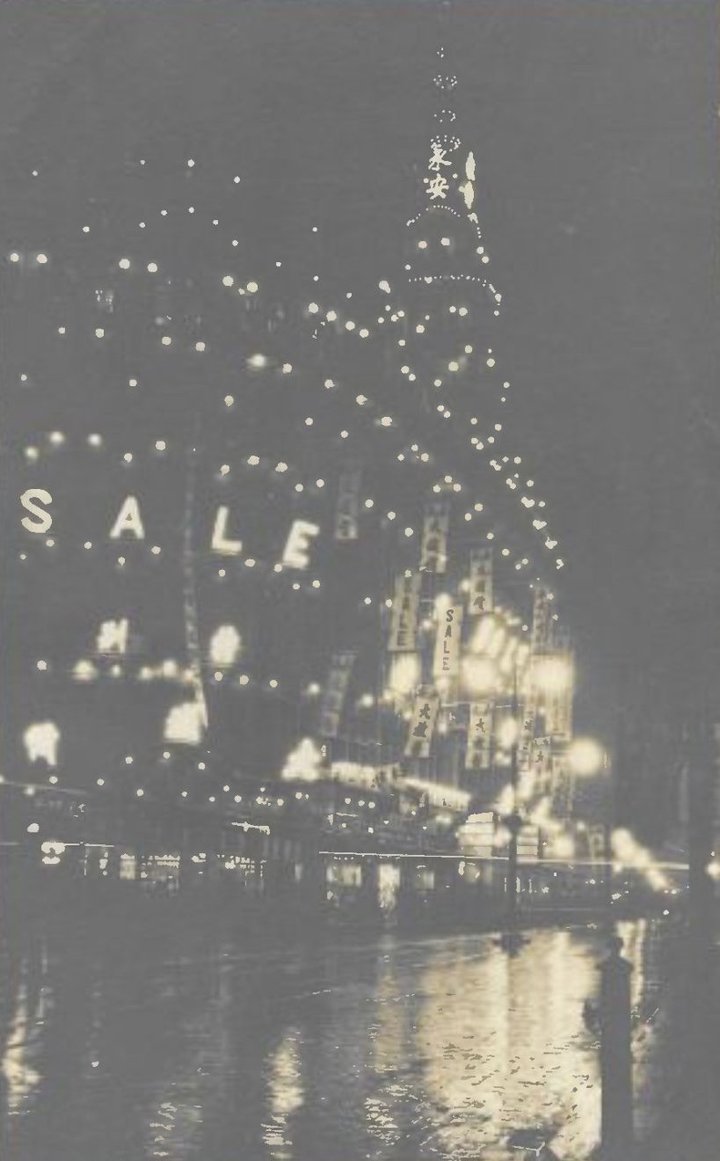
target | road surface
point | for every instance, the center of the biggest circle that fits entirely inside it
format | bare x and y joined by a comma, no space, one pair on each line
390,1050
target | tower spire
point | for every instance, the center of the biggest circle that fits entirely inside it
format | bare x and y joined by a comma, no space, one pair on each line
445,239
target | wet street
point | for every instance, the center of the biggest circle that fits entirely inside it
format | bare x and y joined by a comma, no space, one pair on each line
391,1050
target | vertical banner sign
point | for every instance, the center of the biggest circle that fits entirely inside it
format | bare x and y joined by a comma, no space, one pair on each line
477,756
347,513
526,732
422,725
542,765
447,642
525,741
559,706
434,543
404,617
334,698
563,788
480,597
542,621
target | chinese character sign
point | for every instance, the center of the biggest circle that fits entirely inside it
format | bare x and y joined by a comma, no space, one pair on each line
422,725
434,544
542,621
478,753
525,742
480,597
335,691
347,512
542,765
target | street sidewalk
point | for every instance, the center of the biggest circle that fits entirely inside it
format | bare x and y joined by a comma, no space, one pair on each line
690,1127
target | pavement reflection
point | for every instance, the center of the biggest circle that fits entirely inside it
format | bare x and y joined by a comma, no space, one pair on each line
393,1050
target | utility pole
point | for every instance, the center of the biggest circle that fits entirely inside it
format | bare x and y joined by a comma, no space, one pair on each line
511,939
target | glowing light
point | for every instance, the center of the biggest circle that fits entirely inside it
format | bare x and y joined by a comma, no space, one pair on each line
585,756
404,673
552,674
479,674
225,645
563,846
303,763
41,741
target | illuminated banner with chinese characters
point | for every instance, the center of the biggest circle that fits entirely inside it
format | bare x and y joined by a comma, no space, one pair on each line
480,597
335,693
347,512
404,616
558,703
558,714
434,543
542,765
422,725
542,624
479,738
446,660
525,742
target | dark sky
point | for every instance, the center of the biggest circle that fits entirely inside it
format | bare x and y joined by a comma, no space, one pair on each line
594,126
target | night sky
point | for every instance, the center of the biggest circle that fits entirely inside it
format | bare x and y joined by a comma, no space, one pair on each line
594,126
